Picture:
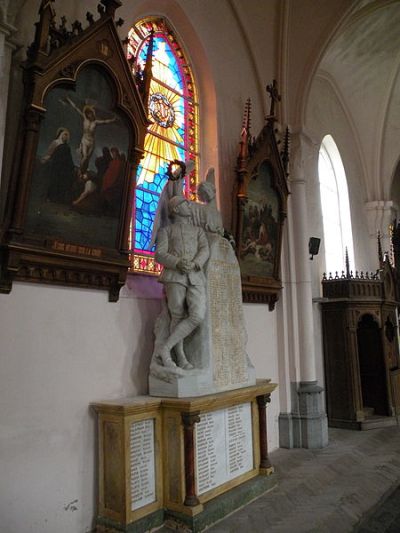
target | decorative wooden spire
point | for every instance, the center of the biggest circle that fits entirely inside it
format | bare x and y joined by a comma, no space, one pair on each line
49,37
147,73
245,138
47,16
348,273
285,151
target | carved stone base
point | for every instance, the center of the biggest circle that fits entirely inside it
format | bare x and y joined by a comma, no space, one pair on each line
307,425
193,383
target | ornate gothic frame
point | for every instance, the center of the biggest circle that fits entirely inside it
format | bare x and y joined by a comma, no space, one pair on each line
259,283
55,61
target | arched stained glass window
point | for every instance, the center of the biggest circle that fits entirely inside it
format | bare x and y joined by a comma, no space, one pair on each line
172,134
335,205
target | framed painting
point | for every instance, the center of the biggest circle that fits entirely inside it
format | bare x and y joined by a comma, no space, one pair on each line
261,210
81,139
260,227
77,180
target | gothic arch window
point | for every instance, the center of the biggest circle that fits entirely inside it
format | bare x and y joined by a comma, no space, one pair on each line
335,207
172,134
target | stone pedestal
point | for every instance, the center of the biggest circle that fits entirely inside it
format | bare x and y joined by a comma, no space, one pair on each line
196,382
189,460
307,425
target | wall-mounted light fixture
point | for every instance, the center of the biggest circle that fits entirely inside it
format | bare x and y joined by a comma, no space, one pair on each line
313,246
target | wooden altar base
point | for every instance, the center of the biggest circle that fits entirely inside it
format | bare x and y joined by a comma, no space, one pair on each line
190,461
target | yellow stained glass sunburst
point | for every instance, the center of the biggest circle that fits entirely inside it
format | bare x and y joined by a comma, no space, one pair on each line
173,131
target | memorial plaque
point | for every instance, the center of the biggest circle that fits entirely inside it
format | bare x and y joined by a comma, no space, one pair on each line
142,460
224,446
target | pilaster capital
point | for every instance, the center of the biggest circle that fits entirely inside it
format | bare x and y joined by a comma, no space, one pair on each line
380,214
190,419
263,400
7,30
303,155
8,12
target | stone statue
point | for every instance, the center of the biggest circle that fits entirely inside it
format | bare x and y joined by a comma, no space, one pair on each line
206,214
183,251
176,173
208,352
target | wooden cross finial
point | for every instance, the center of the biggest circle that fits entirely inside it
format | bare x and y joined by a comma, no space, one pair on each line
272,90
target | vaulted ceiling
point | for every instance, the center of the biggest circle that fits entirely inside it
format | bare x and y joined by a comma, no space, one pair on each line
362,66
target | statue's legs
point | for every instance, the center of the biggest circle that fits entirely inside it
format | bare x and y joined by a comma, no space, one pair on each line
181,359
187,307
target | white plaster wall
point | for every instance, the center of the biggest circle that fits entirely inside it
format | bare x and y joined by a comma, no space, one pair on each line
262,348
62,349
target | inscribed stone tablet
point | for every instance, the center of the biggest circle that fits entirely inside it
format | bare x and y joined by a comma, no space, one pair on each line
142,460
224,446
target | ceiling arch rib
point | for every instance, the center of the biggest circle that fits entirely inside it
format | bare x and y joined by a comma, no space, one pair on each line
388,150
363,60
330,81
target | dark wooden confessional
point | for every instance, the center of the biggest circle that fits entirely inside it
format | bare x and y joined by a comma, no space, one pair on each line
361,355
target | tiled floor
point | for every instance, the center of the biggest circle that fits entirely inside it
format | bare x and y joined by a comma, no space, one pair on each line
384,519
341,488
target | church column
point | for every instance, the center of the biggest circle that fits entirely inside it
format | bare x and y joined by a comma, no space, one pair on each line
306,426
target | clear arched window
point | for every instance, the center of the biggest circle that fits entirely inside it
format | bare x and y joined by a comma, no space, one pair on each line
172,134
335,207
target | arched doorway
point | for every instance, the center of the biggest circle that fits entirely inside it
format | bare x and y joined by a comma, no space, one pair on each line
372,367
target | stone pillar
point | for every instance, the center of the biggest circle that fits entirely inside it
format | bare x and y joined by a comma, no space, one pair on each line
189,420
306,426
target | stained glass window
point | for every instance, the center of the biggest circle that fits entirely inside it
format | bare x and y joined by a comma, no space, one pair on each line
172,134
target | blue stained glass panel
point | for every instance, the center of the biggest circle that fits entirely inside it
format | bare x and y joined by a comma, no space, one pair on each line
169,67
157,185
146,205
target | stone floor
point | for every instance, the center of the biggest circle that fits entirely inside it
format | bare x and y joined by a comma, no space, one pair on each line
385,518
348,486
